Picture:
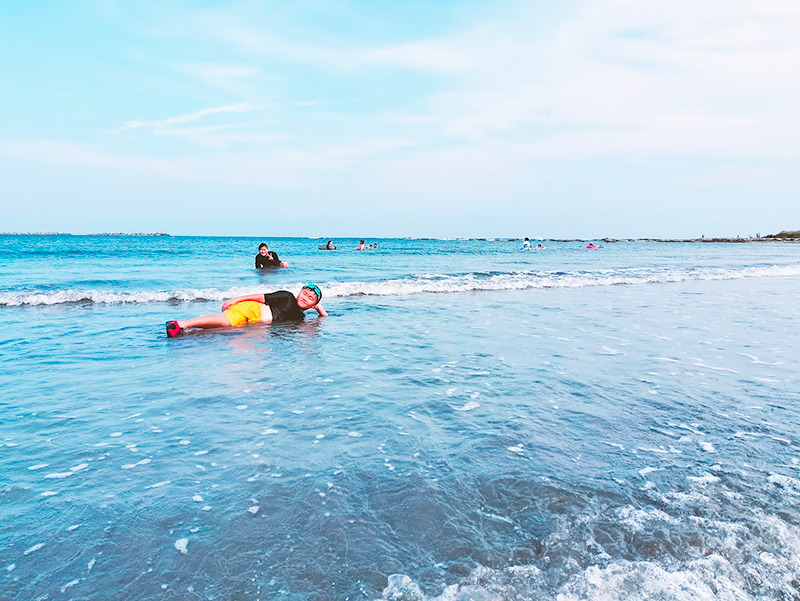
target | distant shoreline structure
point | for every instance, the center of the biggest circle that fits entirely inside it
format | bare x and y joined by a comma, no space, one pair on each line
784,236
68,234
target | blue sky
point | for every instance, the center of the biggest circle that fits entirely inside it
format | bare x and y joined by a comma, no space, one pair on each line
353,118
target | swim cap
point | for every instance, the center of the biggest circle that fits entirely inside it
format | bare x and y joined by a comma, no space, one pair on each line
315,289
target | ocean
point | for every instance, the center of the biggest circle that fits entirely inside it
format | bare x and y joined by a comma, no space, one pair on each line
471,421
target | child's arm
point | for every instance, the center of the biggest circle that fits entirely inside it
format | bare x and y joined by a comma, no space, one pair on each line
259,298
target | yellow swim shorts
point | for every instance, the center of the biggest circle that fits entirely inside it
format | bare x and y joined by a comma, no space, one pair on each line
244,312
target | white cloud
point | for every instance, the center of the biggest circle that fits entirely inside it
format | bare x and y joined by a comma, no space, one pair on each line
54,152
621,77
314,103
241,107
219,136
237,80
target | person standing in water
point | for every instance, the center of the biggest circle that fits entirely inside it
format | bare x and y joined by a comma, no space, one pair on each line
256,308
361,245
268,258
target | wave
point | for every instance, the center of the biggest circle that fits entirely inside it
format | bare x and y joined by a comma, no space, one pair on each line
415,284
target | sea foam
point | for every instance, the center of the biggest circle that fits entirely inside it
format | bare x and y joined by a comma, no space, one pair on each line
418,284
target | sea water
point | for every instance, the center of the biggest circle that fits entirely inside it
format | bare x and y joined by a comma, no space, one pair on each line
472,421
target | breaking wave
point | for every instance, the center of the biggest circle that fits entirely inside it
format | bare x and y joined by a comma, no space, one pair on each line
414,284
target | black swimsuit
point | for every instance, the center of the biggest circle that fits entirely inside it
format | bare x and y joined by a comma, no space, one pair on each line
271,260
283,305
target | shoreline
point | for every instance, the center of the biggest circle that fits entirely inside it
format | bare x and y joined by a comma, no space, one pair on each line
793,238
137,234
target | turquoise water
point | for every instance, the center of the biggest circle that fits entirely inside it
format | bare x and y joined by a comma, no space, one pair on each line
470,422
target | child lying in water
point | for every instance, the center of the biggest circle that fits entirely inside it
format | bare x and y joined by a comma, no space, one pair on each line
255,308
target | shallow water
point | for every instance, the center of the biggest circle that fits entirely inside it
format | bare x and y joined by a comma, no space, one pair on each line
471,422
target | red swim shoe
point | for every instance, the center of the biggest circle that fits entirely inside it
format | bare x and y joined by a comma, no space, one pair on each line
173,329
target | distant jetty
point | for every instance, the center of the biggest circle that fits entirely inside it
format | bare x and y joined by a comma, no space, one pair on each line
68,234
123,234
35,234
784,236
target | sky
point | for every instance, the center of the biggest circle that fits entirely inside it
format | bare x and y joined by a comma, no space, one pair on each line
356,118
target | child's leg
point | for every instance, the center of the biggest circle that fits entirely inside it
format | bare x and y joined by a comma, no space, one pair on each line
206,321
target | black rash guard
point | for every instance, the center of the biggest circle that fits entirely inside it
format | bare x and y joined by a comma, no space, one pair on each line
271,260
283,305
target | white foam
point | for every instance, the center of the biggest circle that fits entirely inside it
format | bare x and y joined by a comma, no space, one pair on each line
254,509
355,434
706,478
158,484
182,545
637,519
130,466
706,579
711,367
789,484
468,407
60,475
425,283
707,446
38,466
660,450
69,584
34,548
497,518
